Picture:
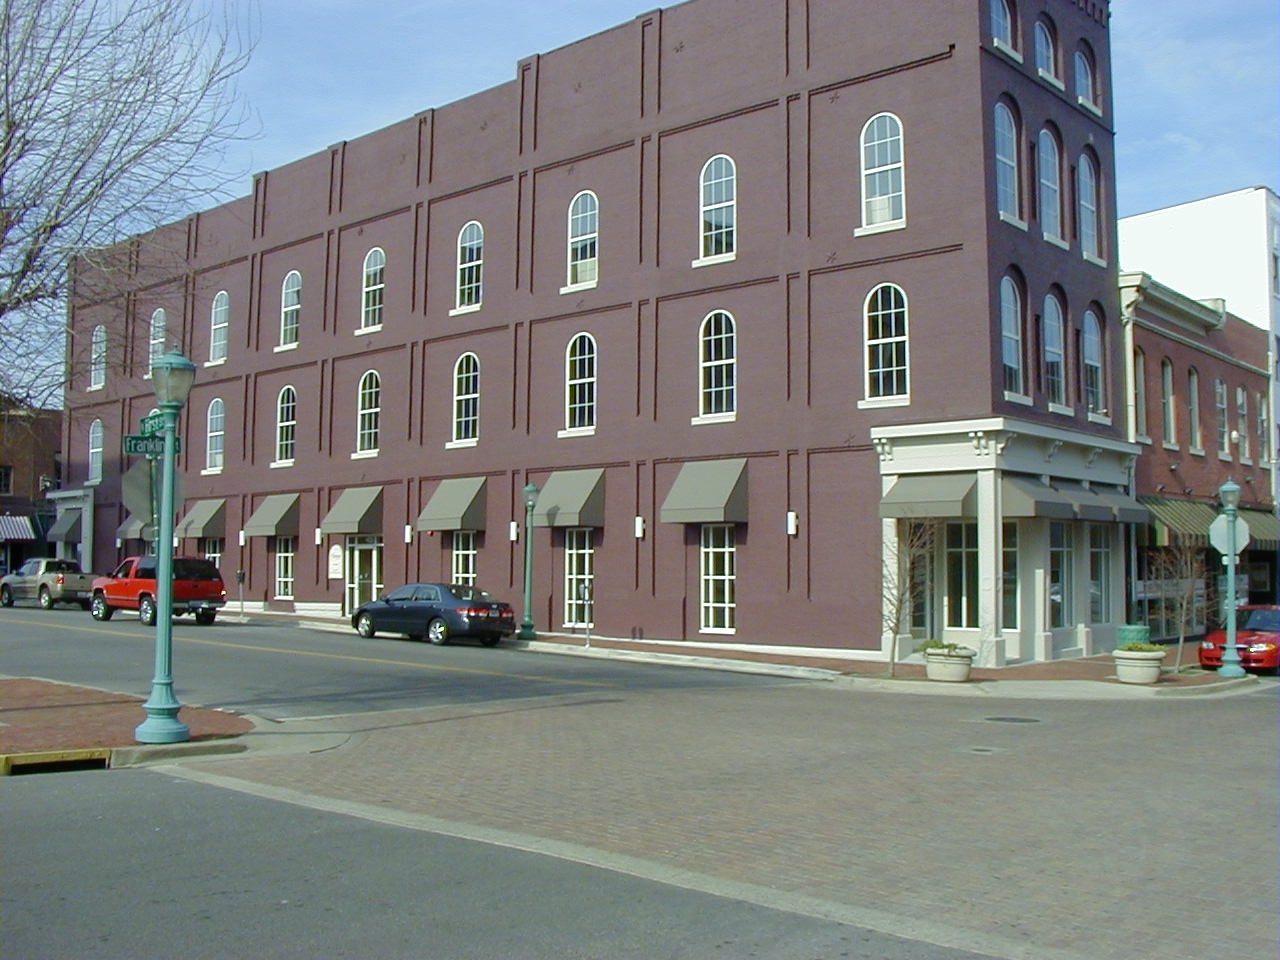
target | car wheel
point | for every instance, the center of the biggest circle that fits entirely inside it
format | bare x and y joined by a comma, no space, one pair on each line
6,596
438,632
490,641
99,608
45,598
364,625
206,617
147,612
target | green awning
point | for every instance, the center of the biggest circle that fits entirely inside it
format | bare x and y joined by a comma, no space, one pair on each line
358,510
571,498
136,528
65,529
1264,529
931,495
276,516
1188,519
1088,505
1028,497
708,491
457,504
206,519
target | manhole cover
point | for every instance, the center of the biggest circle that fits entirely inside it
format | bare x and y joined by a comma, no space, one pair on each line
983,750
1011,719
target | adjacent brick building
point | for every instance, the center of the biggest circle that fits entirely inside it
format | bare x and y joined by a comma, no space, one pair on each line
750,289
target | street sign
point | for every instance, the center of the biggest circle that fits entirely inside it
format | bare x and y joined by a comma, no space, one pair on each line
147,445
151,424
1220,534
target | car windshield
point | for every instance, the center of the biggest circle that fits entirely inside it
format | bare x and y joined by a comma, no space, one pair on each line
1260,620
468,593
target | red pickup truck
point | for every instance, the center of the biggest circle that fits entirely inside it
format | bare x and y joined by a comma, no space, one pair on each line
197,589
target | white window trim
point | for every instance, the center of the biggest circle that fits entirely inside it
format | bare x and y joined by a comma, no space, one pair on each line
1090,106
1013,221
279,464
1105,420
718,258
1056,241
1062,408
576,432
365,454
470,308
211,471
282,347
364,331
1096,261
713,418
462,444
1050,79
215,363
1007,50
887,227
587,285
899,400
1021,398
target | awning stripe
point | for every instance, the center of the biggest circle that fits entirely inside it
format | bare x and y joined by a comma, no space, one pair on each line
16,528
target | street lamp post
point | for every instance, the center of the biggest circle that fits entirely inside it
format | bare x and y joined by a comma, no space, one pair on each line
1229,494
173,375
526,631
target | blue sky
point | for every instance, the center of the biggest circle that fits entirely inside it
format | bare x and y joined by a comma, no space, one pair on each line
1196,84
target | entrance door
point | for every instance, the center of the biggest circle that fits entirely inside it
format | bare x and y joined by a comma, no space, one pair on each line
364,570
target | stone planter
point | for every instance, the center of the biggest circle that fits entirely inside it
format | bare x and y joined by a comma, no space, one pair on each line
949,666
1138,666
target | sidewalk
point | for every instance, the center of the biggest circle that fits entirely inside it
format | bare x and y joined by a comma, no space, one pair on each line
43,722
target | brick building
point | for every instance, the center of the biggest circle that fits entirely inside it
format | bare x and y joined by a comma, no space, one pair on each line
30,466
751,290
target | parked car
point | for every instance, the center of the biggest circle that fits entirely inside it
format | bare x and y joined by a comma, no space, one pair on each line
47,581
437,611
197,589
1257,640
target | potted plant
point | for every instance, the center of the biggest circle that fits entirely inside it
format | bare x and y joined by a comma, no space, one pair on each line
1137,659
948,662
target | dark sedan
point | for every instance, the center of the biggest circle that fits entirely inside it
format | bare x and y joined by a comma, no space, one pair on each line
437,611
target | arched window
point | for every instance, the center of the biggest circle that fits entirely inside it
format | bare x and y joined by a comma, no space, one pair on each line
1011,336
580,383
374,287
1086,85
1049,168
885,323
718,366
1168,412
1087,197
95,451
466,399
219,326
1002,24
1095,382
290,308
215,431
159,330
1047,52
584,237
98,358
1055,354
719,209
368,412
1193,410
884,199
286,425
1008,192
470,293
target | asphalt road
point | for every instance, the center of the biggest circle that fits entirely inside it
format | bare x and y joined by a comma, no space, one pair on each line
130,864
279,671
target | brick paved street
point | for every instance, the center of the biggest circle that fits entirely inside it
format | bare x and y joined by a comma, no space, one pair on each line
1104,829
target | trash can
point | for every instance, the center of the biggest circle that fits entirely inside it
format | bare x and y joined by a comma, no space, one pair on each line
1128,633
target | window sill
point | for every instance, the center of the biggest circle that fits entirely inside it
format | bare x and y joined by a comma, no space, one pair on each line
1050,79
365,331
1056,241
576,432
874,403
364,454
279,464
1007,50
462,444
281,348
713,418
1101,418
469,308
1090,106
93,482
720,631
1013,221
887,227
577,287
1170,445
712,261
1062,409
1196,451
215,363
1246,461
1021,398
211,472
1224,456
1096,261
1144,439
95,389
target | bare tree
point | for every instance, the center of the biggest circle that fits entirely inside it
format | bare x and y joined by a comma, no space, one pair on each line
904,577
1179,573
115,113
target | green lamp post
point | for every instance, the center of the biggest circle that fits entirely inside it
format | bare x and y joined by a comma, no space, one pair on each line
526,631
